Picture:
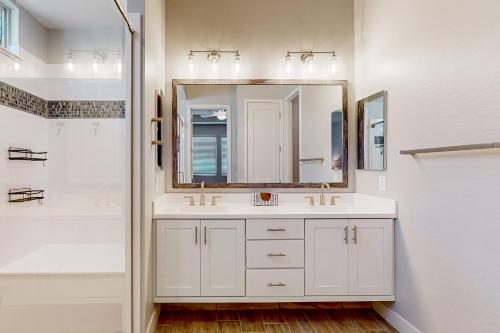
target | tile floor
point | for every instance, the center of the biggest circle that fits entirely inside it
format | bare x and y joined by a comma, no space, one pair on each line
273,320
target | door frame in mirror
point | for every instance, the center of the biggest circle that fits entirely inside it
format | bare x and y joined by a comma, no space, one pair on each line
175,144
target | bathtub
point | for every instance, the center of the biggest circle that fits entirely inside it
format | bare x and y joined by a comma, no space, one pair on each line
61,288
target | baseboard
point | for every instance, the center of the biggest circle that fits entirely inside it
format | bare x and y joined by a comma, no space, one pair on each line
393,318
151,328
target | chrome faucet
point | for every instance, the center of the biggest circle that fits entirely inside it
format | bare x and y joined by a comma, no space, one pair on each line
202,194
322,196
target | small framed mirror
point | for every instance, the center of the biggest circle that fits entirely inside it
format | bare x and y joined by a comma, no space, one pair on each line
372,132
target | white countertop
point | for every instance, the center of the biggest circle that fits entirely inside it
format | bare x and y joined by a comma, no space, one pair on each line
291,205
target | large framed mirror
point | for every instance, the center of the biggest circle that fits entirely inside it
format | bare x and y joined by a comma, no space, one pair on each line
259,133
372,132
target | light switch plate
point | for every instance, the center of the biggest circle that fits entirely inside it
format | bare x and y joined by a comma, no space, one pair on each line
382,183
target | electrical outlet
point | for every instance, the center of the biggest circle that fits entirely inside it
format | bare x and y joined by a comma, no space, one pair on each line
382,183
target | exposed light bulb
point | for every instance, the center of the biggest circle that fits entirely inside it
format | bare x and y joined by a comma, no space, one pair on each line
237,62
310,67
190,57
70,64
17,66
288,60
119,63
334,61
95,63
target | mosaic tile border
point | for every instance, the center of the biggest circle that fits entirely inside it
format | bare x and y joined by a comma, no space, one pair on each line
21,100
86,109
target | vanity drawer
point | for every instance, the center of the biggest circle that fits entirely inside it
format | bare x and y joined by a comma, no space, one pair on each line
275,228
275,254
275,282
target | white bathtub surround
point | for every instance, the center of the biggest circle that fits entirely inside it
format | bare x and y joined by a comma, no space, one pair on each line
238,205
70,258
65,284
294,252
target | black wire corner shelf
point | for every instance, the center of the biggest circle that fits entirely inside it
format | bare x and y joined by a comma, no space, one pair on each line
26,194
24,154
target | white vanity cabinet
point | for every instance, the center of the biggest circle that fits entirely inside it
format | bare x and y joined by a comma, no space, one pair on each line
200,258
223,258
274,260
349,257
371,257
178,258
327,257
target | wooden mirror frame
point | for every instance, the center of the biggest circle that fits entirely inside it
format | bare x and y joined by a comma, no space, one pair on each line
175,143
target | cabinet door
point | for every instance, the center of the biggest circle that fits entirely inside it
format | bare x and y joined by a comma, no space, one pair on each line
223,258
371,257
178,258
326,257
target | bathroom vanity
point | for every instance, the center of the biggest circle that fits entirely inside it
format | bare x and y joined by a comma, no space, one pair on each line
294,252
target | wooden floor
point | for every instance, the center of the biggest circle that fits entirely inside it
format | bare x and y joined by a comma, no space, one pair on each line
274,321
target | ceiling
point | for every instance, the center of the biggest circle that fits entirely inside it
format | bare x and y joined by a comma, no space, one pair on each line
73,14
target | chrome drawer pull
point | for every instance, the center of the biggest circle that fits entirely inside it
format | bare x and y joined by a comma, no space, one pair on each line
276,229
280,284
276,255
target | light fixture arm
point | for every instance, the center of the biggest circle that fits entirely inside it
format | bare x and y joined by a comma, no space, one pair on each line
236,52
307,56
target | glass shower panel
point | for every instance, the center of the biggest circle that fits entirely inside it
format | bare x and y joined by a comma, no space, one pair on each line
65,181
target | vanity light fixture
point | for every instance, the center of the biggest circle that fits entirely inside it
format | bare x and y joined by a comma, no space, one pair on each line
98,56
213,56
308,57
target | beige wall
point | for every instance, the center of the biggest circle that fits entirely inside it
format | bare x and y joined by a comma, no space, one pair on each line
263,31
438,60
154,72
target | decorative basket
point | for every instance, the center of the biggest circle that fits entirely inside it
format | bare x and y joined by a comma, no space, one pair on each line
257,200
